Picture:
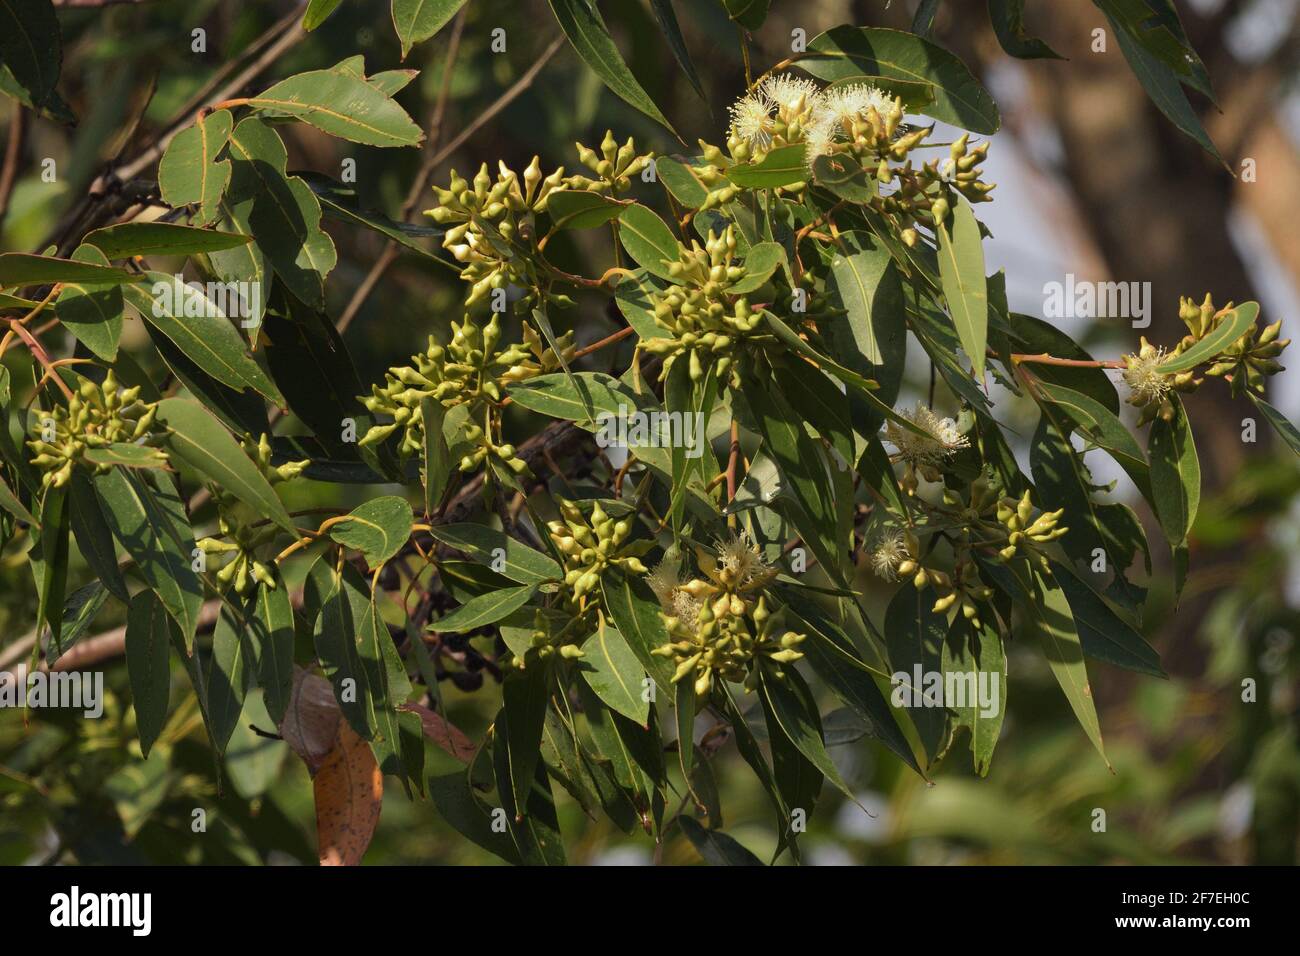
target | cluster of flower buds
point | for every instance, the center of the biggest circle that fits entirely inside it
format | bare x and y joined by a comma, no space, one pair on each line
96,416
719,625
727,647
590,545
858,126
469,368
712,175
487,217
547,639
897,554
614,165
241,538
1022,528
965,591
703,322
260,451
1247,362
1244,364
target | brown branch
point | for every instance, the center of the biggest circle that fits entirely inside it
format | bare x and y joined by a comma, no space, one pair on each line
13,156
1044,359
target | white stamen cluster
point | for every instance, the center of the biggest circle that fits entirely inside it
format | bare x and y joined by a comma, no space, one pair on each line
1144,378
940,440
889,552
823,114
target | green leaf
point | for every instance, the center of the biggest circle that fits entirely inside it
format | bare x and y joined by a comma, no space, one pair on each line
847,52
31,46
93,311
190,173
460,807
961,266
760,262
679,179
344,604
127,455
573,209
148,639
633,297
93,536
1051,621
803,469
377,529
831,654
1105,635
573,398
485,609
791,704
417,20
1175,472
748,13
49,560
79,611
663,11
203,443
1165,89
915,634
1103,428
341,202
872,338
615,674
1064,480
317,12
1234,324
161,239
21,269
783,166
636,614
1290,434
388,687
12,504
343,106
862,387
280,210
582,24
271,633
501,552
1008,19
56,108
436,464
524,696
977,652
228,673
197,327
846,179
716,847
646,237
310,361
152,526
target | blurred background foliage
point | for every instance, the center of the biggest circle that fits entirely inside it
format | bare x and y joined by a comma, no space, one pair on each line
1093,182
